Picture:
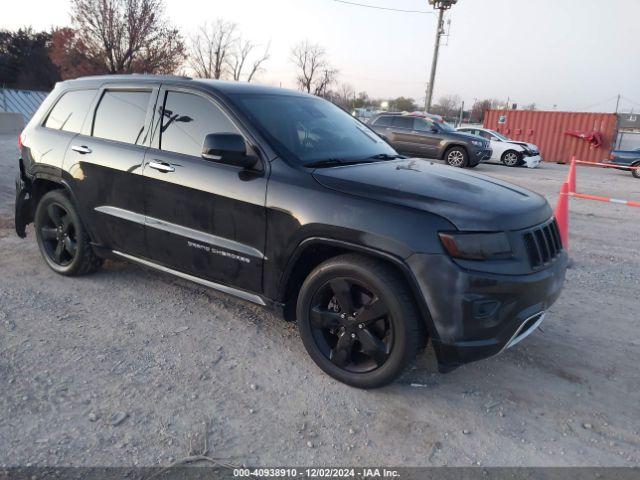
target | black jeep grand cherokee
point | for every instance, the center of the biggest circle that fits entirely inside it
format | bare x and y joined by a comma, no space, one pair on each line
284,200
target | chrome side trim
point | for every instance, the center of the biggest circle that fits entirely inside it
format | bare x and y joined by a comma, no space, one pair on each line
216,286
520,334
121,213
186,232
204,237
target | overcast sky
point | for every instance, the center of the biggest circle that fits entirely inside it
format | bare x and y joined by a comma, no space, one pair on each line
571,54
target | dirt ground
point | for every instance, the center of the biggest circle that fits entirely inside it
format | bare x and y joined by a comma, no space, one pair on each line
126,366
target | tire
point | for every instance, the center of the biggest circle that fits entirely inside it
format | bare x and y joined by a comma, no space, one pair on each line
457,157
371,345
62,239
636,172
511,158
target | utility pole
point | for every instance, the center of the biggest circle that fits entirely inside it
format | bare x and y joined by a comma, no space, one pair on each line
617,103
441,6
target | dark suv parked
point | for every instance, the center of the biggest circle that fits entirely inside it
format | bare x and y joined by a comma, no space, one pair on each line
284,200
428,136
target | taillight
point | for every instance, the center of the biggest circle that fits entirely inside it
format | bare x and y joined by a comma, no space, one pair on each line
20,142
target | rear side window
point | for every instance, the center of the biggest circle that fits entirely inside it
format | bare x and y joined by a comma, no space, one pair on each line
121,115
403,122
186,119
69,112
383,122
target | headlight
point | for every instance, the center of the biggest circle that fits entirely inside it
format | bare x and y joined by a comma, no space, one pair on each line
477,246
478,143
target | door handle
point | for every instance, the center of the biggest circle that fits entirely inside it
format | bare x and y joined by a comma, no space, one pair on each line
81,149
161,166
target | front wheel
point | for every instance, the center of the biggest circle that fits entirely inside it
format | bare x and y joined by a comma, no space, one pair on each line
511,158
636,172
457,157
62,239
358,321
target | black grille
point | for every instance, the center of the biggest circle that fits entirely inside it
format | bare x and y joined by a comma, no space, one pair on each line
543,244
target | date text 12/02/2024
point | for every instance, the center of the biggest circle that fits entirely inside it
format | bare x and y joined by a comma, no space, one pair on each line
317,472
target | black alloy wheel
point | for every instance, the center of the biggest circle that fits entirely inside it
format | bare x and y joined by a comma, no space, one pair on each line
58,234
63,241
358,320
351,325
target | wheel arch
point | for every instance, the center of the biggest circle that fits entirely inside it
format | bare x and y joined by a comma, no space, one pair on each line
313,251
42,183
449,146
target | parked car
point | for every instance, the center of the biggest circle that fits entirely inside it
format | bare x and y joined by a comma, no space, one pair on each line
627,158
510,152
285,200
428,136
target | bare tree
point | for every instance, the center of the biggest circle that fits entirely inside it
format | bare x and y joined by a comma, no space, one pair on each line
239,58
479,109
448,106
256,65
127,35
315,74
211,49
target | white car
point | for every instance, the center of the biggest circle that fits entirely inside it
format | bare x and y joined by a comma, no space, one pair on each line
510,152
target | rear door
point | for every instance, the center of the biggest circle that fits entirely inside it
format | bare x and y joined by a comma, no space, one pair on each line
105,166
404,138
203,218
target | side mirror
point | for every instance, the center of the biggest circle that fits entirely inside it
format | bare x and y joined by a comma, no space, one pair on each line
228,148
434,129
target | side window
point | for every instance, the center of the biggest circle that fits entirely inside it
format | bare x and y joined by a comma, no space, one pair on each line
121,115
186,119
403,122
383,122
484,134
70,110
422,125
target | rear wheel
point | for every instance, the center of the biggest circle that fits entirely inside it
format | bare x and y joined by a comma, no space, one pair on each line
358,321
63,241
457,157
511,158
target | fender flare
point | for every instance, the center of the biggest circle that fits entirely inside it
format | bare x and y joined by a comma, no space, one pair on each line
398,262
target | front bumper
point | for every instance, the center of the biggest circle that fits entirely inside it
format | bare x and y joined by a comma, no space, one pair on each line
533,161
475,315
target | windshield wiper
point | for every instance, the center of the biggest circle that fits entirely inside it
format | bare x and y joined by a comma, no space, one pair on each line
386,156
334,162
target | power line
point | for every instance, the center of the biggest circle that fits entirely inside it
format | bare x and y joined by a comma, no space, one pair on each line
382,8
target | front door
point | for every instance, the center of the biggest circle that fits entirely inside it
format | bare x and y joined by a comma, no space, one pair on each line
203,218
428,140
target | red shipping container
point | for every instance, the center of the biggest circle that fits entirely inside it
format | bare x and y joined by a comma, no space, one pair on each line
547,131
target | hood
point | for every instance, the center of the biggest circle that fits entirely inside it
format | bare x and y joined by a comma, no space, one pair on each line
470,201
530,146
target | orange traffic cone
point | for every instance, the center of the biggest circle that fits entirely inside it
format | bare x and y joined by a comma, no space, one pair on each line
571,178
562,215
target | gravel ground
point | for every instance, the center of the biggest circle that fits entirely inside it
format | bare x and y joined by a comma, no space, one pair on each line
125,367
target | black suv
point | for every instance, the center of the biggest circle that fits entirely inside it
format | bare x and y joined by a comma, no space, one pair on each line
284,200
429,136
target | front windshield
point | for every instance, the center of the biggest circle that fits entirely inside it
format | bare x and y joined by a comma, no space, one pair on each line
499,135
446,127
309,129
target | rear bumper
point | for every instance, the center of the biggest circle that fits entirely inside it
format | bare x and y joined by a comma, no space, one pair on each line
476,315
